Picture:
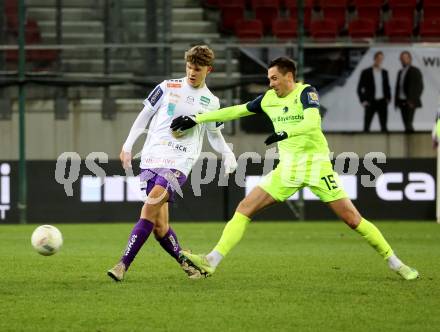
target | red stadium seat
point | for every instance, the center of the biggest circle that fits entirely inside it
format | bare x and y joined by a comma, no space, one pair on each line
266,11
285,28
403,8
431,3
369,9
431,9
249,30
230,14
362,28
335,10
368,3
398,28
32,32
291,6
11,8
33,56
231,2
324,29
430,29
293,3
211,3
32,36
255,3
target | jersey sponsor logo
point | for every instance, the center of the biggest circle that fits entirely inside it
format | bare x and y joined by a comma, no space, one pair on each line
174,85
171,108
177,146
286,118
159,162
5,189
313,98
173,99
154,96
204,101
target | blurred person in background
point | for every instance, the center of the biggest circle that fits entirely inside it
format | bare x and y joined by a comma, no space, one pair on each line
409,88
375,93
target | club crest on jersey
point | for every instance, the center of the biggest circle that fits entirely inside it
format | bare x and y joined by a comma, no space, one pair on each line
190,100
313,98
204,101
285,109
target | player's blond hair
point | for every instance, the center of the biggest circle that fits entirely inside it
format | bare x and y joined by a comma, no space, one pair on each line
200,55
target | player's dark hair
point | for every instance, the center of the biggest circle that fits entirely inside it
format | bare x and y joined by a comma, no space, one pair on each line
377,54
284,65
200,55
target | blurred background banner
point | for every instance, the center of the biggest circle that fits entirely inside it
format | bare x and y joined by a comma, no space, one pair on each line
345,110
405,191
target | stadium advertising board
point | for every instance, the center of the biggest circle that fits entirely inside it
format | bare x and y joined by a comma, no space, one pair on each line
405,190
346,112
5,190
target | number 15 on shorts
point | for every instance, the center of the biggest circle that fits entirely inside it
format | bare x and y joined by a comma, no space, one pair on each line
330,182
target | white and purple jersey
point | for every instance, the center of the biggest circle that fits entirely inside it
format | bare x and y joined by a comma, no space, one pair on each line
168,100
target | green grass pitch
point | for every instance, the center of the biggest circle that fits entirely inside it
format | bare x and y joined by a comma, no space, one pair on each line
282,277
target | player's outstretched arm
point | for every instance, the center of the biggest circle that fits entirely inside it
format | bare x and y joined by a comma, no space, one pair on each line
219,144
136,130
223,114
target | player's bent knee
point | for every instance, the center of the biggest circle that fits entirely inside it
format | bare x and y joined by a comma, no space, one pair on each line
246,207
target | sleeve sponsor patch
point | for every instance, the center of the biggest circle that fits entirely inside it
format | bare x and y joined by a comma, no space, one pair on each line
155,96
313,98
310,98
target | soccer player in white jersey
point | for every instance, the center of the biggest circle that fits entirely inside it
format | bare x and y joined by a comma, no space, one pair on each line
167,158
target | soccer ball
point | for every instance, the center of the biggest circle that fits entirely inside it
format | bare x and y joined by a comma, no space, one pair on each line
47,240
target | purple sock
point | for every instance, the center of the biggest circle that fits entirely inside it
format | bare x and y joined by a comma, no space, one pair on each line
137,238
170,243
